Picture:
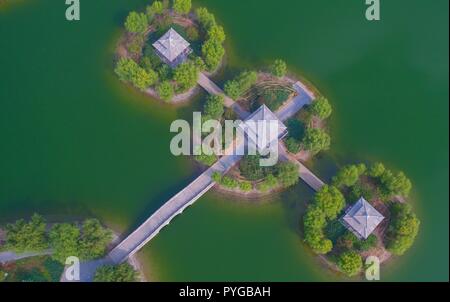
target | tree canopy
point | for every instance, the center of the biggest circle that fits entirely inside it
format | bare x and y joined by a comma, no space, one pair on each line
217,33
64,241
30,236
350,263
287,174
316,140
182,7
186,76
396,184
136,23
403,229
205,18
376,170
129,71
278,68
321,108
213,108
119,273
156,8
349,175
94,239
238,86
212,52
165,90
330,200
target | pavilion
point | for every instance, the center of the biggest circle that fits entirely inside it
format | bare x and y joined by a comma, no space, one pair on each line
362,219
263,135
172,48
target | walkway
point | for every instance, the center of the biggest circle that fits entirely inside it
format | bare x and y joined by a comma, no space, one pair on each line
12,256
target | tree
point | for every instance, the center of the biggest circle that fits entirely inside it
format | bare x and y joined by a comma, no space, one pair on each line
269,183
350,263
207,160
217,33
213,108
278,68
232,89
292,145
182,7
349,175
376,170
288,174
245,186
330,200
314,221
64,241
314,218
165,90
403,230
94,239
212,52
136,23
156,8
129,71
186,76
251,169
25,236
205,18
192,33
321,108
120,273
238,86
316,140
397,184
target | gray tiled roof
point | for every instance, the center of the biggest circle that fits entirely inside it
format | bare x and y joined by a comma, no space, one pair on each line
362,218
171,45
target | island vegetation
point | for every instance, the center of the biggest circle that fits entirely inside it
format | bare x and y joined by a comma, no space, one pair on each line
116,273
139,65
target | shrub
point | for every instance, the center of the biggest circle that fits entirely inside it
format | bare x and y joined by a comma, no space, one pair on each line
269,183
120,273
156,8
216,33
288,174
403,229
243,82
275,98
207,160
366,244
314,221
136,44
278,68
213,108
229,182
397,184
217,177
182,7
349,175
94,239
130,71
186,76
251,169
316,140
64,241
28,236
347,241
192,33
350,263
292,145
245,186
165,90
376,170
321,108
212,52
205,18
330,200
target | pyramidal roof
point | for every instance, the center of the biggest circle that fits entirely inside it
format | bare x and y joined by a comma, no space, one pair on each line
265,136
171,45
362,218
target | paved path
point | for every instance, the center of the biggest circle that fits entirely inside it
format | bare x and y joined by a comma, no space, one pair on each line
304,97
12,256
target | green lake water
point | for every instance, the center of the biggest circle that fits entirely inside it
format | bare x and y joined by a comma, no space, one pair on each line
75,142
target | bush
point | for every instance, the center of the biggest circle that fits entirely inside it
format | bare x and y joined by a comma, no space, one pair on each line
213,108
217,177
182,7
64,241
237,87
192,33
120,273
349,175
25,236
186,76
229,182
135,45
350,263
278,68
330,200
366,244
275,98
217,33
347,241
245,186
136,23
314,221
403,229
288,174
292,145
156,8
165,90
129,71
207,160
251,169
397,184
269,183
316,140
205,18
94,240
376,170
321,108
212,52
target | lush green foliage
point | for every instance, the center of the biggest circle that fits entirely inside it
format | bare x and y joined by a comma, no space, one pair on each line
330,200
278,68
207,160
165,90
136,23
403,229
268,183
349,175
205,18
64,241
192,33
23,236
350,263
182,6
245,186
213,108
287,174
292,145
130,71
296,131
314,221
397,184
136,44
275,98
376,170
321,108
251,169
316,140
243,82
212,52
186,76
216,33
156,8
120,273
33,269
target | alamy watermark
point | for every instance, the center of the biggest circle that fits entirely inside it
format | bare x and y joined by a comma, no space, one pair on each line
373,268
373,12
73,11
251,137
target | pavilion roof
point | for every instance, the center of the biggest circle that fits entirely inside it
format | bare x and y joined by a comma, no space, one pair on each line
171,45
362,218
